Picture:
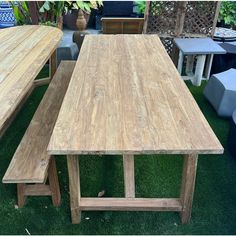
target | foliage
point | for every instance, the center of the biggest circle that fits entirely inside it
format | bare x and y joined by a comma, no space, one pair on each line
60,7
85,6
228,12
141,5
21,12
56,8
48,23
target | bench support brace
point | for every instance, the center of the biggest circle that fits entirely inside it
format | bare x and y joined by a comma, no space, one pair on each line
51,189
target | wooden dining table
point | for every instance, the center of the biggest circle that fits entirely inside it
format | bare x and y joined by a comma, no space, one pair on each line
24,50
127,98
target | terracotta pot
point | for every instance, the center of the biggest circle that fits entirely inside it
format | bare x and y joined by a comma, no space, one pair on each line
81,22
70,19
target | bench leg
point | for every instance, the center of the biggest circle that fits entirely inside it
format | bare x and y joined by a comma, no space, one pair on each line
54,183
53,64
74,186
53,189
188,185
21,194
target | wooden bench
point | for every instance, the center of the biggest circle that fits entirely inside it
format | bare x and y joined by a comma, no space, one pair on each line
31,166
119,25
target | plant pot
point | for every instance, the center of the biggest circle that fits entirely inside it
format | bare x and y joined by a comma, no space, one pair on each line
81,22
70,19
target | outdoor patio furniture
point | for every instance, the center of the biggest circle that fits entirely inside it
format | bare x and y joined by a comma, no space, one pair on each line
118,25
31,166
222,34
185,19
78,37
232,135
220,91
67,49
225,61
199,47
126,98
24,51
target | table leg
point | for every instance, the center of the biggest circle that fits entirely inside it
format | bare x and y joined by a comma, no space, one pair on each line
53,64
199,70
188,185
74,186
180,62
129,179
189,65
208,66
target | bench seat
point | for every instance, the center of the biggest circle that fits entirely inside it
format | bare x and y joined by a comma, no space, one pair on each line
31,164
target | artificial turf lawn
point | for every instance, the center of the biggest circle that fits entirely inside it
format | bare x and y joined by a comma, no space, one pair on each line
214,206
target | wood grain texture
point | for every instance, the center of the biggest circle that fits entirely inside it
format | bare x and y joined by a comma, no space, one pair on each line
130,204
24,51
21,198
120,25
187,186
54,183
127,97
129,176
52,189
74,186
30,161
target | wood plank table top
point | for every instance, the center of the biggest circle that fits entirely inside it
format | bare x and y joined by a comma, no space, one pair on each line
23,52
126,97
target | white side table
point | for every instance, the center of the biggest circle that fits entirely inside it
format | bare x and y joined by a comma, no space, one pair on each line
201,48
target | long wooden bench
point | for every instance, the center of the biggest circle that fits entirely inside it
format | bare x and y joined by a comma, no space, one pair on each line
31,166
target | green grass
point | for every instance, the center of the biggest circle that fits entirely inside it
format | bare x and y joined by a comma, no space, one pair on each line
214,207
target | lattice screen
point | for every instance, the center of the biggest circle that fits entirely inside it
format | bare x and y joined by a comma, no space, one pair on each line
171,19
199,18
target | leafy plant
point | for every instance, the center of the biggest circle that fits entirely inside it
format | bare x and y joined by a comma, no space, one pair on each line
228,12
85,6
60,7
21,12
54,9
141,5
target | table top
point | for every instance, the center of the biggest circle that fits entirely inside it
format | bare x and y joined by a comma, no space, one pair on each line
126,97
224,34
192,46
23,52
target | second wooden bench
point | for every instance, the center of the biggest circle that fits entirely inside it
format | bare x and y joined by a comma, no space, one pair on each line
31,166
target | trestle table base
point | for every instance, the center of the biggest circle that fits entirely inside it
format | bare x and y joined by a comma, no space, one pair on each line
129,202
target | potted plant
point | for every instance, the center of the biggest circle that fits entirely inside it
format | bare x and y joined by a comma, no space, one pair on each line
74,12
78,13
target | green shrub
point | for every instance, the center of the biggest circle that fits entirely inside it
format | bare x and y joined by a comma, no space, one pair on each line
228,13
